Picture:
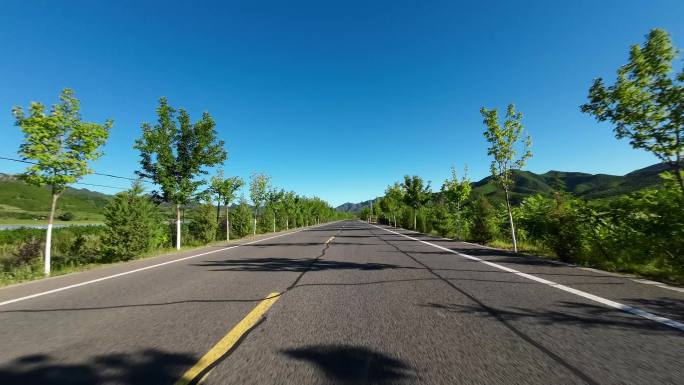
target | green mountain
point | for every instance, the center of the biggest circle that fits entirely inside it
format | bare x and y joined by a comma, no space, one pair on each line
579,184
21,201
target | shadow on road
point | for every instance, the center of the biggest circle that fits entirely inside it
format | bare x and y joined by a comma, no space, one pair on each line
291,264
574,313
344,364
145,367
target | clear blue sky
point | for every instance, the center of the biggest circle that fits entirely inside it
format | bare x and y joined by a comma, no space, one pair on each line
334,99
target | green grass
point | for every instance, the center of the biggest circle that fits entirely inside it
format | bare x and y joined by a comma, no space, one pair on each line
41,222
19,201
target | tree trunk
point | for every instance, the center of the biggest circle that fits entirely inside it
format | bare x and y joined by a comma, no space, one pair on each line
287,222
458,221
255,221
678,175
415,220
274,223
227,223
510,219
218,209
48,236
178,227
395,219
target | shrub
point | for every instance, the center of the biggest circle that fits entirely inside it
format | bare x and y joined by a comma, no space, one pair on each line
203,225
133,225
484,227
241,219
27,252
66,216
557,223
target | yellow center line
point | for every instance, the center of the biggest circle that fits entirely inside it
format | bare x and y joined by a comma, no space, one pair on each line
329,240
229,340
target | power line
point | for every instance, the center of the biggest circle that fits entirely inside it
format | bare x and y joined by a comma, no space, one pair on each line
94,173
100,185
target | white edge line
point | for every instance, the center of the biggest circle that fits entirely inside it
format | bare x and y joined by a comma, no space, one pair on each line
597,271
592,297
145,268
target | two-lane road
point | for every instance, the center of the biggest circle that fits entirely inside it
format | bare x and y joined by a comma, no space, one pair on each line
348,303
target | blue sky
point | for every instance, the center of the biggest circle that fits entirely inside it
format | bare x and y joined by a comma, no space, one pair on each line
333,98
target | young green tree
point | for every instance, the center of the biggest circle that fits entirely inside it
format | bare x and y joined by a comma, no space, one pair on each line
241,219
59,145
502,147
456,192
274,200
226,189
133,225
415,195
174,154
646,103
289,206
258,192
394,196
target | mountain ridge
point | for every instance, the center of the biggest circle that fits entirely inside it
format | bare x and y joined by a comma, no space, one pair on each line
580,184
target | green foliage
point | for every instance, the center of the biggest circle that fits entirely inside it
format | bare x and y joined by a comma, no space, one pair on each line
241,219
415,195
503,142
66,216
133,225
203,224
442,221
502,148
225,189
59,142
258,190
456,192
559,224
646,103
483,228
174,154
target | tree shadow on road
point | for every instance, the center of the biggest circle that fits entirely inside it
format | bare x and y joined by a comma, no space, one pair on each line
344,364
145,367
574,313
291,264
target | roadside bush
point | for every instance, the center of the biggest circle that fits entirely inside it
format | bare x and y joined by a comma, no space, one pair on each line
203,225
556,223
66,216
86,248
442,221
27,252
484,225
133,225
241,220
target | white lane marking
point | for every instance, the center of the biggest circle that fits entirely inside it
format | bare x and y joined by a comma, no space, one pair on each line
141,269
595,298
608,273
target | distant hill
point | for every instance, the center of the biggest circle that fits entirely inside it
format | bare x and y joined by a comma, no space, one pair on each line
579,184
19,200
352,207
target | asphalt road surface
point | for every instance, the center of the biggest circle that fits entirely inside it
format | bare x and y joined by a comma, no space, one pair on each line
343,303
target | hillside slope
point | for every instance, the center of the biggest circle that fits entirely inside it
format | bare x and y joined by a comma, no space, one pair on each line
579,184
21,201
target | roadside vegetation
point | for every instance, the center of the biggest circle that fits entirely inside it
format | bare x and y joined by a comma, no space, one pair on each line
640,232
176,155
